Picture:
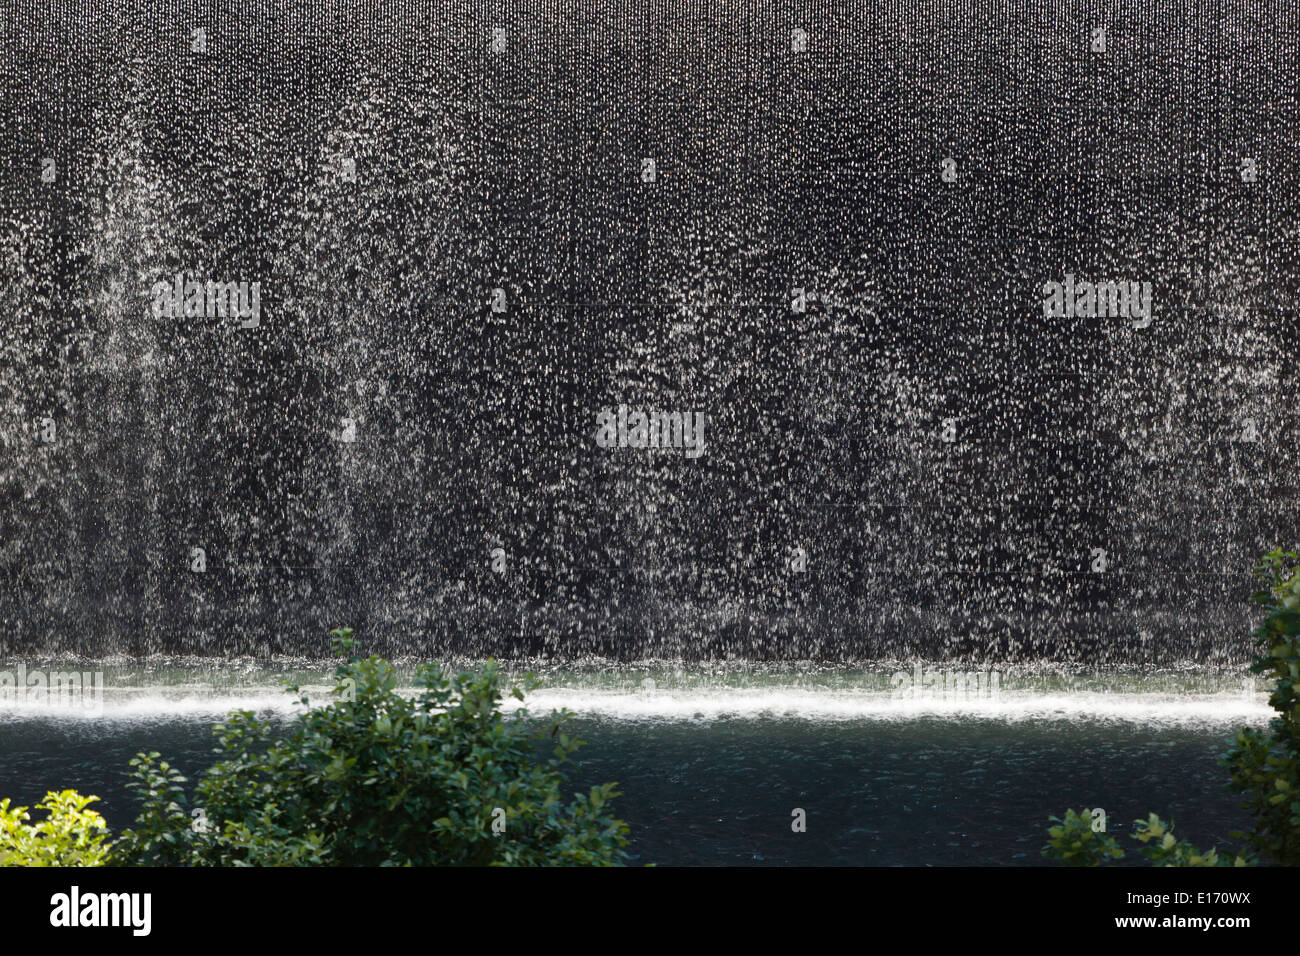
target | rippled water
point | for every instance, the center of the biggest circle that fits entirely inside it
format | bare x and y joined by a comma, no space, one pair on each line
711,765
911,791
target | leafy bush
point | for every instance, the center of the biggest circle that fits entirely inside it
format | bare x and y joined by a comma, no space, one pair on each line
1075,843
377,778
1265,766
70,835
1072,841
1167,850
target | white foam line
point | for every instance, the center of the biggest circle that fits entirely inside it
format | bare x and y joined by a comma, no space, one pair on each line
150,707
708,704
813,705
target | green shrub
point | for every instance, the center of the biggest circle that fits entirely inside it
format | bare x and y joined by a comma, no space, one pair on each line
1073,842
70,835
377,778
1161,848
1265,766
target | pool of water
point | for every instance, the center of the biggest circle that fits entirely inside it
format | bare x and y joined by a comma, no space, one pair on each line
713,763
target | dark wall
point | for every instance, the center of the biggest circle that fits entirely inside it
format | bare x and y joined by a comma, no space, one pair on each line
776,170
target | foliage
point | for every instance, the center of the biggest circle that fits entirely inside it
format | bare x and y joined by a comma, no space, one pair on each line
1265,765
378,778
1072,841
1161,848
1075,843
70,834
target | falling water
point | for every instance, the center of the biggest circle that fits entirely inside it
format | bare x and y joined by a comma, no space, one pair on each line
836,255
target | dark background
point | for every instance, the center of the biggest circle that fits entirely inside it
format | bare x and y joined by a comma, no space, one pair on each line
818,170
